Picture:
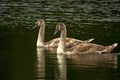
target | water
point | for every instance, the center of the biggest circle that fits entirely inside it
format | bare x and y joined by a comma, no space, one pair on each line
19,58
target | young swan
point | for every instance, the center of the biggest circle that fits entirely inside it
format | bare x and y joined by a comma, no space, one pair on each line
79,48
53,43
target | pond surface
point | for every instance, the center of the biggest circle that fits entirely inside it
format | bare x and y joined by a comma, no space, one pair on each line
21,60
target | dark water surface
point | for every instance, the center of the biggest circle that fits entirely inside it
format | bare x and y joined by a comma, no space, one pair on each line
19,58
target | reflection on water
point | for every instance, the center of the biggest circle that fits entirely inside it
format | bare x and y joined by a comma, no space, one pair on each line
60,72
92,67
76,67
40,73
93,60
61,59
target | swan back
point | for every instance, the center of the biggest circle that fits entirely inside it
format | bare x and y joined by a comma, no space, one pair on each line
91,48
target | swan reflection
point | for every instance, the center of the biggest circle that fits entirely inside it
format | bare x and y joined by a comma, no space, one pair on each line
93,60
40,64
61,59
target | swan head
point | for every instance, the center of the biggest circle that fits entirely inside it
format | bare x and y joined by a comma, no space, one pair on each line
59,27
39,23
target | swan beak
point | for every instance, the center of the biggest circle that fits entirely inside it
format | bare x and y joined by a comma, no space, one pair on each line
36,25
56,31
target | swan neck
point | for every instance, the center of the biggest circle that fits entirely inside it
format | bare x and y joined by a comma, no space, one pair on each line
41,34
62,41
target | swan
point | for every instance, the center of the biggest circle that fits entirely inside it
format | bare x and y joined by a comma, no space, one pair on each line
53,43
79,48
